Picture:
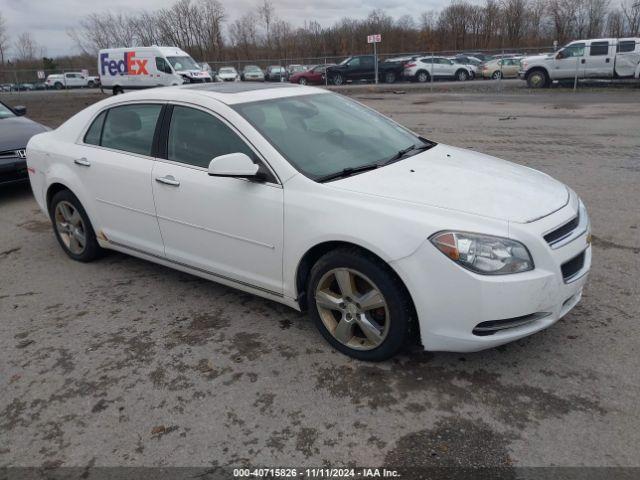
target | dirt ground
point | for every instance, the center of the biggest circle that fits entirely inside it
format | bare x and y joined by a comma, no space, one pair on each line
123,362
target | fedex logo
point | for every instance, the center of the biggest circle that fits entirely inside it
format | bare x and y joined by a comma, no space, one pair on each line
130,65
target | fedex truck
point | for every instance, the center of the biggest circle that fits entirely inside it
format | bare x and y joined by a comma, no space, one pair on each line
144,67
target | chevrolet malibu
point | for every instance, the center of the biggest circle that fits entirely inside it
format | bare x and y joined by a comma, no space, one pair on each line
308,198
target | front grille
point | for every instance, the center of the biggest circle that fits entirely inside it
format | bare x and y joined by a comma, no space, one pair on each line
571,268
489,328
12,154
563,231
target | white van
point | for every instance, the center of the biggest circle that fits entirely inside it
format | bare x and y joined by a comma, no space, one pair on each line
143,67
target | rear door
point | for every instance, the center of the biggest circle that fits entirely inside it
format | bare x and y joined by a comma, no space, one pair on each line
114,163
228,227
599,60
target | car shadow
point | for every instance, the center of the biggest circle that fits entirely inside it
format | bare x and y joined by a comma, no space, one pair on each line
15,191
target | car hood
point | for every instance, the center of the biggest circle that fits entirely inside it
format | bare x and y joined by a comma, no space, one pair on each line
464,180
15,132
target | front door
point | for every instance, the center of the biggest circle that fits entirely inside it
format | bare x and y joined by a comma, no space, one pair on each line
570,61
114,163
228,227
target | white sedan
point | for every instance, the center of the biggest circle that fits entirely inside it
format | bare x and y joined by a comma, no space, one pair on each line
313,200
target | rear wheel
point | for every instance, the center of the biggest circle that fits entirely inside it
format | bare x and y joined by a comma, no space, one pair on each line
72,227
537,79
497,75
302,81
91,84
359,305
423,76
389,77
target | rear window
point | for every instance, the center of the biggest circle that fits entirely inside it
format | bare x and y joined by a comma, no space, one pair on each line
94,134
626,46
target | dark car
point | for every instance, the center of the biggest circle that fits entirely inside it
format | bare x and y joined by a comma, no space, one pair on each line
275,73
313,76
15,132
362,67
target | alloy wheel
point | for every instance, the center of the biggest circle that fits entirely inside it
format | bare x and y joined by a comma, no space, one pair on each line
302,81
70,227
422,77
352,308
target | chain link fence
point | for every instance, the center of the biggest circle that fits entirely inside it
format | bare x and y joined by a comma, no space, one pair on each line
18,80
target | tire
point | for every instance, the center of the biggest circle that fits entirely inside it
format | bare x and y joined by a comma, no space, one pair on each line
496,75
63,223
91,84
462,75
537,79
391,317
117,90
58,86
390,77
337,79
423,76
302,81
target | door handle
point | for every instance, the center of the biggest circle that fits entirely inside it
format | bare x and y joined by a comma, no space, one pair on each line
607,60
168,180
83,162
582,61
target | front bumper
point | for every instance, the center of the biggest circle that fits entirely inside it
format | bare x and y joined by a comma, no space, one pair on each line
13,170
452,302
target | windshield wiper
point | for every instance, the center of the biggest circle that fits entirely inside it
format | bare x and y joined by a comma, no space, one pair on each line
346,172
402,153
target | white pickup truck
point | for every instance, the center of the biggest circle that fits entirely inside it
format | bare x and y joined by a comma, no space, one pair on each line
602,58
69,80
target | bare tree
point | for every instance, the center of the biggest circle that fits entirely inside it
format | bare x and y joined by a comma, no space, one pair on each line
26,48
4,39
631,12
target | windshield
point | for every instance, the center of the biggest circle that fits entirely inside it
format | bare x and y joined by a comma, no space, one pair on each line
344,61
322,134
252,68
227,70
183,63
5,112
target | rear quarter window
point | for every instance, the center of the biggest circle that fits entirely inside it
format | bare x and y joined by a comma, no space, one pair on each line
94,134
626,46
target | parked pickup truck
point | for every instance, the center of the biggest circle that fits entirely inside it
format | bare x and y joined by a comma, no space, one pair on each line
362,67
603,58
68,80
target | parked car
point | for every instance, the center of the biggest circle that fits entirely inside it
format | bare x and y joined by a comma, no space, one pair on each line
6,87
252,73
362,67
292,69
275,73
483,57
67,80
145,67
501,68
422,69
15,132
312,76
604,58
310,199
228,74
471,65
25,87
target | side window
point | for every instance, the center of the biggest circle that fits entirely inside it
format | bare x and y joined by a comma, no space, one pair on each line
196,138
599,49
355,62
575,50
367,62
626,46
131,128
162,65
94,134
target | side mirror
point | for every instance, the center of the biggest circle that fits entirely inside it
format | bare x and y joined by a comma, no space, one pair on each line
20,110
233,165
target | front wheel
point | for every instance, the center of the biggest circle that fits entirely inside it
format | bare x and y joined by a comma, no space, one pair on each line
58,86
337,79
537,79
302,81
72,227
497,75
423,77
359,305
462,75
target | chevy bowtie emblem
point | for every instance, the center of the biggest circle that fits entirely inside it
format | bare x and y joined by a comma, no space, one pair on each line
22,154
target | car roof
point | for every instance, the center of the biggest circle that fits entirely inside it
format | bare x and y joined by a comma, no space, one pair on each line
230,93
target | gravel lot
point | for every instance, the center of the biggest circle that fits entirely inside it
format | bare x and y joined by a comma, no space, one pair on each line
122,362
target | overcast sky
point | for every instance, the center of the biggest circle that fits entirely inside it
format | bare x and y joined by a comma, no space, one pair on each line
49,20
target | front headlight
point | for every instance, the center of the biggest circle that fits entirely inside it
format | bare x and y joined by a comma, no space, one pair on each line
484,254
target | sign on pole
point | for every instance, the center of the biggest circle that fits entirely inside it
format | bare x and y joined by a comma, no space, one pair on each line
40,74
375,38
